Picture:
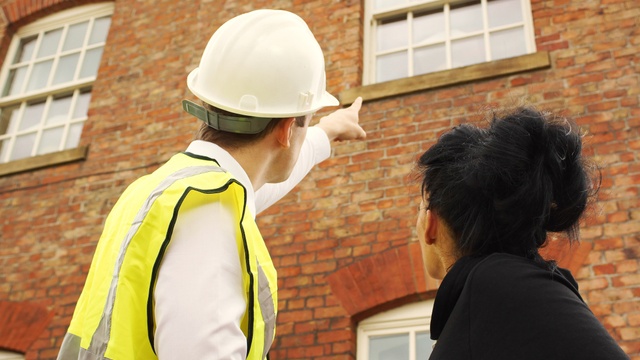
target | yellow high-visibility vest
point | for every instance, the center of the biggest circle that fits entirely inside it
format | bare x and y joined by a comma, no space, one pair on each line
114,317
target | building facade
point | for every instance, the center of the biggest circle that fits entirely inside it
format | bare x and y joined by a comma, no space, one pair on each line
90,101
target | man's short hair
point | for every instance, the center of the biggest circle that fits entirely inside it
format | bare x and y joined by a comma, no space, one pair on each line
235,140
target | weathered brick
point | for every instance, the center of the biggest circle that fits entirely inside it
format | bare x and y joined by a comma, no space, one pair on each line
357,204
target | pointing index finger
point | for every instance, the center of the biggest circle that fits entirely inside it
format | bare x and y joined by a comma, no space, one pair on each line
357,104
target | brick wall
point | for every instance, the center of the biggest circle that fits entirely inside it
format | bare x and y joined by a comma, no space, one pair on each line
356,210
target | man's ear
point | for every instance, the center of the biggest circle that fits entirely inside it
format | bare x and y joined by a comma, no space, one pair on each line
284,131
431,228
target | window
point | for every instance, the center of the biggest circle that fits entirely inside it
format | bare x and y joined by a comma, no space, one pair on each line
46,81
413,37
9,355
398,334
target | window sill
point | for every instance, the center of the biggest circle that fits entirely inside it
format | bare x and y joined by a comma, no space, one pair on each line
535,61
40,161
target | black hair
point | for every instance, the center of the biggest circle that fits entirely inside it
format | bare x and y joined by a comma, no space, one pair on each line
501,188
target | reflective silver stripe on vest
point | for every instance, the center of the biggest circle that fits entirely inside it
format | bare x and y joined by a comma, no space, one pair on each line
266,307
101,336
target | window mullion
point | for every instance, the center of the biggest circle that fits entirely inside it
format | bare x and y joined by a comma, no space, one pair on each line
31,62
447,26
67,123
412,344
410,42
12,138
485,27
85,44
41,127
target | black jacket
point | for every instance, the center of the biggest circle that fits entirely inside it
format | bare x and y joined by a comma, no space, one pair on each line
507,307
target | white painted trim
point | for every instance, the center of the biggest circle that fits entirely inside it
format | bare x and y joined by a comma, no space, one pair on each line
372,16
410,318
61,20
9,355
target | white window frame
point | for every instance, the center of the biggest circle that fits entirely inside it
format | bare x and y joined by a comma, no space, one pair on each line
372,17
57,20
410,318
9,355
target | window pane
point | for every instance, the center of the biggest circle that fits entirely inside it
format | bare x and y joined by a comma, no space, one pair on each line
392,66
23,146
59,110
390,347
73,138
91,62
4,149
75,36
507,43
504,12
392,34
82,104
9,119
467,51
50,140
49,43
15,81
25,51
39,75
32,116
67,66
100,30
429,59
382,4
428,27
466,19
424,345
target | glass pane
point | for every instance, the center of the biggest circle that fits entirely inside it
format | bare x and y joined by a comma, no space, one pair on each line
382,4
424,345
467,51
23,146
466,19
100,30
428,27
389,347
50,140
59,110
25,51
91,62
49,44
82,104
39,75
73,138
32,116
9,119
66,68
392,66
4,149
392,34
429,59
75,36
15,81
507,43
504,12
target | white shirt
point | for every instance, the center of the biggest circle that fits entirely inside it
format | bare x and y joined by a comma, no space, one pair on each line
199,298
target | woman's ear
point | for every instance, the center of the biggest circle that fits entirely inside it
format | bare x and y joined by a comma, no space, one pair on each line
431,229
284,131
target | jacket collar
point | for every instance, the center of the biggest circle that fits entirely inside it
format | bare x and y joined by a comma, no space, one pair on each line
227,162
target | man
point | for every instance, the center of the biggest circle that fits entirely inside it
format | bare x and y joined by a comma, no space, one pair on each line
181,270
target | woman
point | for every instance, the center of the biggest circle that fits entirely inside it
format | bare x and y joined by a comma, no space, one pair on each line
490,195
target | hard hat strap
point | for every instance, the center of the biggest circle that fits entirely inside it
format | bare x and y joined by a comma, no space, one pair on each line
229,123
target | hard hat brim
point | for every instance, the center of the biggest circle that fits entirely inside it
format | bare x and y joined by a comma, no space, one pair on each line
192,80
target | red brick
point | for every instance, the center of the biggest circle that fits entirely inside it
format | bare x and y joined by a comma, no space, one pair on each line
356,205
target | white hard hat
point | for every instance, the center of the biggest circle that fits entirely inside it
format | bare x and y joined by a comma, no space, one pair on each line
265,63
